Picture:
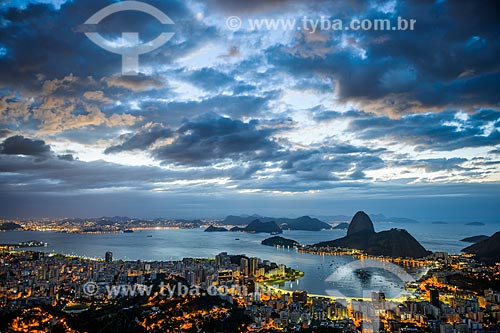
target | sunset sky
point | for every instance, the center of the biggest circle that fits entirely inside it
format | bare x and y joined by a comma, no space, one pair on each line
280,122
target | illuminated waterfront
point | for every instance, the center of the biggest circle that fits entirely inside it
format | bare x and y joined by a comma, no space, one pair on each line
176,244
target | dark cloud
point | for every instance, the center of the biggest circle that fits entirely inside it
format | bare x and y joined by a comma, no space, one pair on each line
269,7
211,137
138,83
316,84
4,132
208,79
246,7
437,131
63,174
61,47
66,157
143,139
447,130
449,60
435,164
243,88
321,115
19,145
36,149
174,112
335,161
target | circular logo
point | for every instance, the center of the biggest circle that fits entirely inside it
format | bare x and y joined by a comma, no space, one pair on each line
233,23
90,288
130,53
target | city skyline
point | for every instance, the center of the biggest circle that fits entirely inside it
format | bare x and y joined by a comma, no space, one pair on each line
250,166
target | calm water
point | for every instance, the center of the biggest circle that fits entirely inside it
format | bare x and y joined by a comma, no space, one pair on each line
178,244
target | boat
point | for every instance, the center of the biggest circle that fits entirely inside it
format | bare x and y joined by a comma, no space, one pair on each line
236,239
149,236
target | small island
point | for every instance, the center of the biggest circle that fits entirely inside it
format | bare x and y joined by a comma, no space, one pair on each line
474,239
475,223
341,226
279,241
257,226
213,228
301,223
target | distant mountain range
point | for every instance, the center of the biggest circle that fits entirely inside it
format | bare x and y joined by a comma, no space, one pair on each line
301,223
362,236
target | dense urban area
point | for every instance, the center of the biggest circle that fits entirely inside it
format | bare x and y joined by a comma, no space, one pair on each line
42,292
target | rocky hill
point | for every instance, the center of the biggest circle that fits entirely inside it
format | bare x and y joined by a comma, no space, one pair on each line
360,223
362,236
257,226
487,250
303,223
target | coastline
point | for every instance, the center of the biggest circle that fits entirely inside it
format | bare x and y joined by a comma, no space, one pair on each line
331,297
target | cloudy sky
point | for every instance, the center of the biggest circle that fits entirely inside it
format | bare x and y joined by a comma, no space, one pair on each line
270,121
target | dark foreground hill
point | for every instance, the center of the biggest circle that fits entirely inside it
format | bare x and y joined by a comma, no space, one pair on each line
487,250
362,236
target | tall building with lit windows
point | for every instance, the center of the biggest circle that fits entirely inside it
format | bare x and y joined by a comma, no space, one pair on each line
244,266
253,265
